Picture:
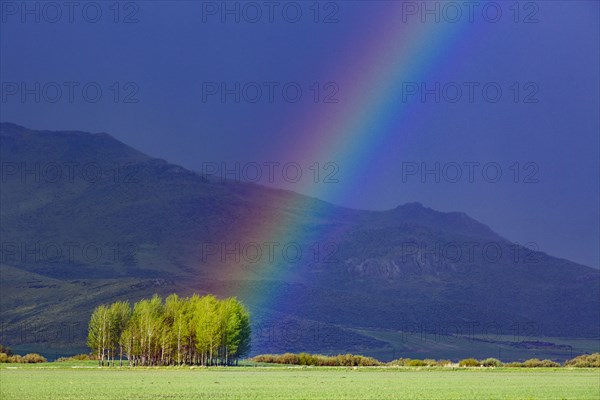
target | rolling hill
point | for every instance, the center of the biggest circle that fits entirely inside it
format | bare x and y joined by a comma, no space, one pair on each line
86,219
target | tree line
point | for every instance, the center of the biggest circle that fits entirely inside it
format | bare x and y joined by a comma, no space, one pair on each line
179,331
347,360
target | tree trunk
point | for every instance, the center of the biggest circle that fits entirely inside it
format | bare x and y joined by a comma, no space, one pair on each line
179,346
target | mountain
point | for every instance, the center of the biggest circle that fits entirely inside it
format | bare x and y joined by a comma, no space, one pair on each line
86,219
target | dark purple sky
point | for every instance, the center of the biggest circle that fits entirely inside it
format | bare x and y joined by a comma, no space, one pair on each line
159,54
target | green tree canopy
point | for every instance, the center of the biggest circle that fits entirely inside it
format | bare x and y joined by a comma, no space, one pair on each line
194,330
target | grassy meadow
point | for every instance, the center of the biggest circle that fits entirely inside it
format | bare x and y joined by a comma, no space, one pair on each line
84,380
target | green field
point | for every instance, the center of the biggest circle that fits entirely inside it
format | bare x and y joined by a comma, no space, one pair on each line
82,381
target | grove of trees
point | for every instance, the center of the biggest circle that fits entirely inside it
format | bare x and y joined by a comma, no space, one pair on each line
179,331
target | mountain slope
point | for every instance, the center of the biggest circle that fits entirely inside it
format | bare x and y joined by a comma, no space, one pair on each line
86,219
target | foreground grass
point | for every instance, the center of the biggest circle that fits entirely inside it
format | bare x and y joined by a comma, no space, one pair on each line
49,381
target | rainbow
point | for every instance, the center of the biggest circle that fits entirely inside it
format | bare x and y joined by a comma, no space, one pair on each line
393,52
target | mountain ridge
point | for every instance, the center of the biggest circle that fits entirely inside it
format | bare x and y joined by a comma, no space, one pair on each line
401,257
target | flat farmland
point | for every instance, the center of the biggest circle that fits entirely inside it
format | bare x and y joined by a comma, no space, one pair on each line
77,382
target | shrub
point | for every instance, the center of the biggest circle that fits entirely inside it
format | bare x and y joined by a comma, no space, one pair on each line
82,357
369,361
491,362
400,362
346,360
532,363
6,350
265,358
515,364
288,358
585,361
15,359
407,362
342,360
443,363
277,359
30,358
306,359
77,357
550,364
326,361
537,363
350,360
354,361
469,362
33,358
